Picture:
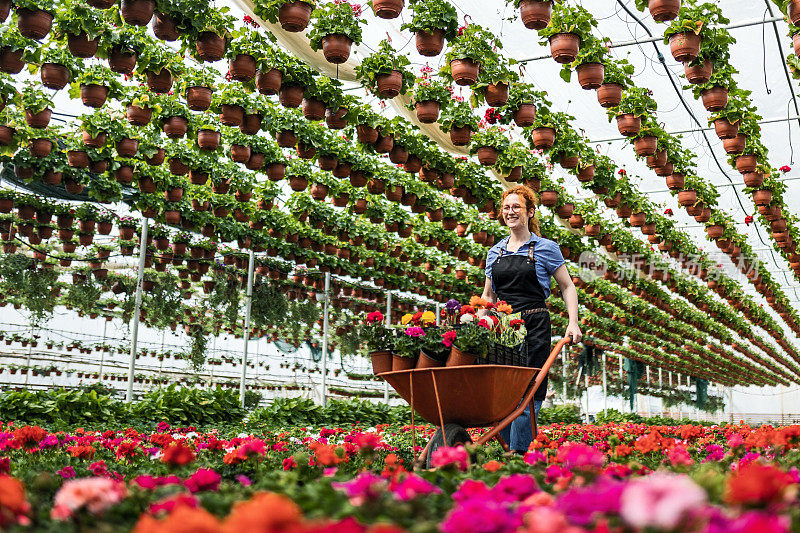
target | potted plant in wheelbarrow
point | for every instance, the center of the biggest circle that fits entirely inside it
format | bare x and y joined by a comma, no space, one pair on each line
379,340
407,346
384,72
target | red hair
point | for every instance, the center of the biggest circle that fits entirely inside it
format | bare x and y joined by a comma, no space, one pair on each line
529,197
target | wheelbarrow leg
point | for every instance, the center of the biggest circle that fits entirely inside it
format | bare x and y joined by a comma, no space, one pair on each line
502,443
439,407
534,416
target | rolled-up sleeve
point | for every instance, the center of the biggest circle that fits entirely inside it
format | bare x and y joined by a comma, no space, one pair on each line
550,256
491,257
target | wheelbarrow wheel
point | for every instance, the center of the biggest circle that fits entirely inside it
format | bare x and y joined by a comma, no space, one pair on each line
455,435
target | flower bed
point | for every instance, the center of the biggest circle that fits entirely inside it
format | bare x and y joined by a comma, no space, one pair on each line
613,477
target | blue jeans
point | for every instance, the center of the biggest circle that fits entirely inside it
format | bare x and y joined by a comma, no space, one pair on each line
518,434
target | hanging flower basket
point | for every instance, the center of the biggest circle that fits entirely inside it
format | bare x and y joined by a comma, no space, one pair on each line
564,47
464,71
164,27
725,129
609,94
210,46
543,137
81,46
137,12
535,14
34,24
429,44
54,76
629,124
664,10
269,82
291,96
294,16
684,46
699,73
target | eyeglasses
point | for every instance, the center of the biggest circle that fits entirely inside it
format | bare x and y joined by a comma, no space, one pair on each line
509,208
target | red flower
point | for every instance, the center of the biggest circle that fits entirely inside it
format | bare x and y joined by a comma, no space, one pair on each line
622,172
668,212
178,454
757,484
748,219
785,168
375,317
491,116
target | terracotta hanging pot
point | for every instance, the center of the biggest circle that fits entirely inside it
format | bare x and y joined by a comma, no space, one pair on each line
336,48
496,94
366,134
231,115
78,159
427,111
290,96
664,170
543,138
429,44
586,174
127,147
753,179
564,47
160,82
735,145
387,9
746,163
121,62
646,145
684,46
175,127
34,24
137,12
305,151
198,98
381,362
565,210
460,136
675,182
208,139
464,71
398,154
389,85
242,67
525,115
590,75
294,16
54,76
313,109
335,120
609,94
687,197
715,231
94,95
138,116
697,74
164,27
638,219
38,120
5,9
487,155
762,197
629,124
715,98
256,161
298,183
11,60
664,10
535,14
658,159
81,46
269,82
210,46
40,147
569,161
793,8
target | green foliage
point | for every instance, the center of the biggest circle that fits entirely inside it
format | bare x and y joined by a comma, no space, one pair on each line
636,101
188,406
283,412
568,19
457,115
61,407
560,414
268,9
431,89
385,61
33,289
430,15
75,17
335,18
695,18
34,99
475,43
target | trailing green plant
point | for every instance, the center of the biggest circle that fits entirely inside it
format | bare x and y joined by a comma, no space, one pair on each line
97,75
699,19
427,89
637,101
493,137
34,99
384,61
457,114
592,50
432,15
268,9
75,18
568,19
335,18
473,42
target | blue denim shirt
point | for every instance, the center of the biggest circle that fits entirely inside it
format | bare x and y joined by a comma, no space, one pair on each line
547,253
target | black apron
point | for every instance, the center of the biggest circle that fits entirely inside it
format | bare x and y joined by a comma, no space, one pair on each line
515,281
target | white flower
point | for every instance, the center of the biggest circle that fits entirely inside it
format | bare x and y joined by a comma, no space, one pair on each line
466,318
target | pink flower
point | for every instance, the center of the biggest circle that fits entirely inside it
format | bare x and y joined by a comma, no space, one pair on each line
577,455
661,500
735,440
202,480
170,503
448,337
363,488
289,463
368,441
67,472
415,331
447,455
412,487
679,455
534,457
96,494
244,480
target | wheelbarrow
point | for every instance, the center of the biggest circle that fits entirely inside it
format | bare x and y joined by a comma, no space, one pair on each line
459,397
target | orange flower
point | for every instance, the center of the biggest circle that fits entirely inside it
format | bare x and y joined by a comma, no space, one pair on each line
27,436
327,455
177,454
757,484
493,466
81,452
477,302
503,307
623,450
14,508
183,519
265,512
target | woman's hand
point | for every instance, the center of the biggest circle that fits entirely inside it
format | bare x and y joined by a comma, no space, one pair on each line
574,331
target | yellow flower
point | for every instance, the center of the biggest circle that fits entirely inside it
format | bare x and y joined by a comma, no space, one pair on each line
406,318
428,317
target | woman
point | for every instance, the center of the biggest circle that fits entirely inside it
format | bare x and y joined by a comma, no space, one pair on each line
518,270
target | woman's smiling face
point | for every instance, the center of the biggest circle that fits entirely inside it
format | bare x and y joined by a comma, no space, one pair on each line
514,213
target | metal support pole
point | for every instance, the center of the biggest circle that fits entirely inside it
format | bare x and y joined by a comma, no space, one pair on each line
438,314
586,386
730,402
605,385
325,336
647,372
388,323
137,307
246,333
211,372
28,359
620,369
670,379
103,348
660,375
